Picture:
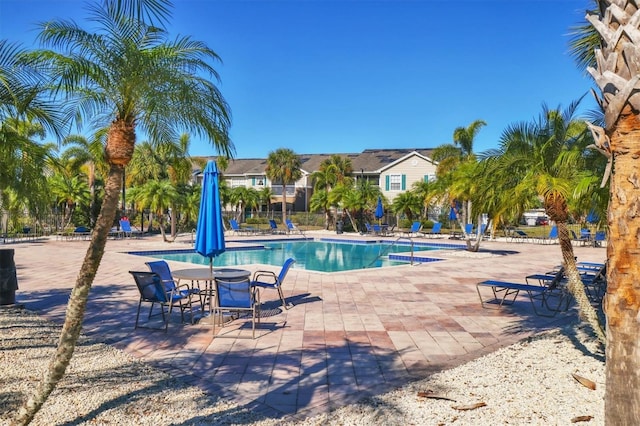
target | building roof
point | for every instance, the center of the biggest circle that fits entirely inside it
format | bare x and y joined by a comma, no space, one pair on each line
374,160
369,161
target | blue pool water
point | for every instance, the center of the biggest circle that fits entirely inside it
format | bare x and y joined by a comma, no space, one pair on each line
322,256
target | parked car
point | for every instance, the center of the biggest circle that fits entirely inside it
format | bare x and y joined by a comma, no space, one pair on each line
542,221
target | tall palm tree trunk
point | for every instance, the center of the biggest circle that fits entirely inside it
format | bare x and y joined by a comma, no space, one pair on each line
284,203
92,190
353,222
174,223
622,301
77,301
162,225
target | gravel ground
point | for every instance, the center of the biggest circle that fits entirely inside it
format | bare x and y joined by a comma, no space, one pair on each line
529,383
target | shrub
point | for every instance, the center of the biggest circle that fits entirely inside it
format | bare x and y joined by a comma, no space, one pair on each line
405,223
307,219
427,224
257,221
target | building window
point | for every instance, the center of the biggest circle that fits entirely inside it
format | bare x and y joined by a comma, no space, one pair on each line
395,182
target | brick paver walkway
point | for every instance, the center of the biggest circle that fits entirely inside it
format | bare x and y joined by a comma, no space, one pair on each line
347,336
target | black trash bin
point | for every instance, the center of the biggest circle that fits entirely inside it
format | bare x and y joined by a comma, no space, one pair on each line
8,278
339,226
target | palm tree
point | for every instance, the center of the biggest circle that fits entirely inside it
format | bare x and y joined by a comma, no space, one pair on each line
425,192
283,166
320,200
24,94
163,160
465,136
350,198
356,200
242,197
332,171
546,159
175,155
340,166
265,195
70,192
189,205
125,73
26,112
90,154
407,203
145,165
23,162
157,196
451,156
615,50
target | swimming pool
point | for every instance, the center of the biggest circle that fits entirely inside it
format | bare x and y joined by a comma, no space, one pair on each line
321,256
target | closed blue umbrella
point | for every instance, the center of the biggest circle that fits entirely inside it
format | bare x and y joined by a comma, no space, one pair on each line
210,232
379,209
452,214
452,218
593,217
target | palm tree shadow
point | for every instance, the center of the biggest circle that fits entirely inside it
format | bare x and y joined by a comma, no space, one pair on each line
359,373
566,323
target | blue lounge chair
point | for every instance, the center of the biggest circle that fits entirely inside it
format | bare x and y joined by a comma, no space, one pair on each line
292,228
435,231
127,231
274,227
520,235
552,238
416,227
599,238
583,241
236,297
594,279
268,279
235,227
388,231
468,229
548,289
585,234
81,232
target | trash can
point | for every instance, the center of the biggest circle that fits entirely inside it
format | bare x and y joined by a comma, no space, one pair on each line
339,225
8,278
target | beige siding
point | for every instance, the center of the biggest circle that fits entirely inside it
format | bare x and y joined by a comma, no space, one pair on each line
414,168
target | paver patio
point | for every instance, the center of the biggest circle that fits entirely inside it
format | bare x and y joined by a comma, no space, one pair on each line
349,334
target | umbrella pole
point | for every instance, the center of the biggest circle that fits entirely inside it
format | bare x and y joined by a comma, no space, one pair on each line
212,284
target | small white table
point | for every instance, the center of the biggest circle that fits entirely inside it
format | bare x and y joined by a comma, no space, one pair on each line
207,275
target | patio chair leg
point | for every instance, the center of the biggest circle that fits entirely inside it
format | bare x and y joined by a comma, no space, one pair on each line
284,302
168,317
138,314
253,323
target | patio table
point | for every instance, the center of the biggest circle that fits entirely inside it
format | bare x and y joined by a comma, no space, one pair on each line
206,275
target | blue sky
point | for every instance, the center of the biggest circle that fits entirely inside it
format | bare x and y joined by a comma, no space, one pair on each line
338,76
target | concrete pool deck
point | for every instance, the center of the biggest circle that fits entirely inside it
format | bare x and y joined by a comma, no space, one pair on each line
349,335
